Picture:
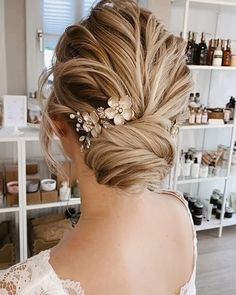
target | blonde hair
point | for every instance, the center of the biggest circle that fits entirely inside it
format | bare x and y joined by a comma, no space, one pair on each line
121,49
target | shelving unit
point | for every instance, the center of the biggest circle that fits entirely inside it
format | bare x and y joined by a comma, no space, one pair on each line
29,135
218,6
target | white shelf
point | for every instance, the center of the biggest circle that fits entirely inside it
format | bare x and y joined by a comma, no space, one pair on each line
197,180
229,221
208,2
6,135
195,67
9,209
207,126
71,202
213,223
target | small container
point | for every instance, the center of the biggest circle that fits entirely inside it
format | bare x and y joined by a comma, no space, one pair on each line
218,213
203,172
186,196
219,203
214,199
229,211
13,187
48,185
214,209
197,219
65,191
32,186
198,208
191,202
227,114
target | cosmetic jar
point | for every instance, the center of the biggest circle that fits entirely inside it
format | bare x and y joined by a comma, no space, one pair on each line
198,208
191,202
48,185
229,211
13,187
197,219
218,213
219,203
32,186
186,196
214,199
214,209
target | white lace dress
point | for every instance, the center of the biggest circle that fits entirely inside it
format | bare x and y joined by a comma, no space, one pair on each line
37,277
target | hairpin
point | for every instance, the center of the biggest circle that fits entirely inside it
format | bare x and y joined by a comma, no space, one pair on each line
119,112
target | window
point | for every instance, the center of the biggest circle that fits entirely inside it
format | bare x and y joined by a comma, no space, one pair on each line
57,15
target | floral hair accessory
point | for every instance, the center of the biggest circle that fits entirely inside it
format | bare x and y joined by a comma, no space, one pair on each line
91,124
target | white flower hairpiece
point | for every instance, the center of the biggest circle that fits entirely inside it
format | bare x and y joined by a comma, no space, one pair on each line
119,112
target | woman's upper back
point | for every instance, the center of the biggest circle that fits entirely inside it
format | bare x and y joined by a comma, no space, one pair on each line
37,276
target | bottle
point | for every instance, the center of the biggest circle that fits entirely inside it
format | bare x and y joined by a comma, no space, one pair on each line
65,191
192,103
199,116
202,51
187,166
231,105
195,45
192,117
210,54
227,54
197,100
189,51
204,116
218,55
195,169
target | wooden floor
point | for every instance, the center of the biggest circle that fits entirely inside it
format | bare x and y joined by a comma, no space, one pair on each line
216,269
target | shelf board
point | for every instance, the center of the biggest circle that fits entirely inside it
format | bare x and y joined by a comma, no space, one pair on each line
208,2
207,126
229,221
9,209
197,180
195,67
71,202
213,223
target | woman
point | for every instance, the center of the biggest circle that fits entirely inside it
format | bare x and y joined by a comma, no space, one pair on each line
120,88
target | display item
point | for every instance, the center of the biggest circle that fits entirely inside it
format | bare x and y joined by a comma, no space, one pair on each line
199,117
197,219
204,116
195,168
195,45
198,208
202,51
203,172
64,191
211,50
229,211
190,51
231,106
192,117
218,55
218,213
209,211
233,60
227,54
32,186
13,187
48,185
227,114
